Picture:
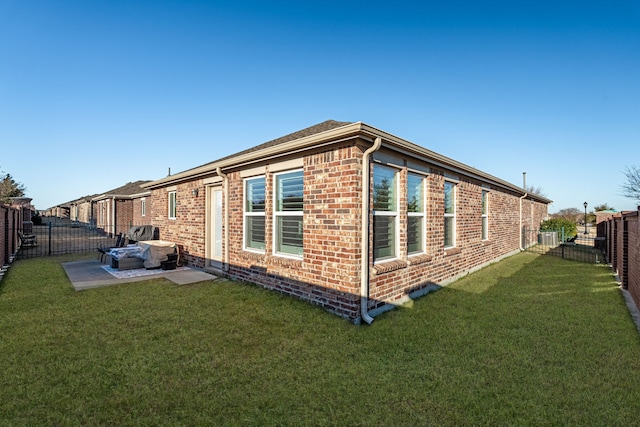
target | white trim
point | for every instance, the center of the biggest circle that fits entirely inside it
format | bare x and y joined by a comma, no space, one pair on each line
175,205
287,165
485,215
246,214
395,214
277,214
253,172
422,214
451,215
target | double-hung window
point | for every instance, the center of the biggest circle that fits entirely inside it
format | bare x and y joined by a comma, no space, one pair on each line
385,212
415,214
254,209
288,213
172,205
485,215
449,214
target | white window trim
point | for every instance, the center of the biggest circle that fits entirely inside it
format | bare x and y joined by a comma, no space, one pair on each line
246,214
276,214
485,215
395,214
422,214
453,215
143,206
175,204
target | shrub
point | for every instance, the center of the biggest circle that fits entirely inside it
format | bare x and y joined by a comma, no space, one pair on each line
36,219
557,224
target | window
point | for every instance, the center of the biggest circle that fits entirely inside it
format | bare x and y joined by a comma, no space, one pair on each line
172,205
449,214
288,212
143,207
385,212
485,215
254,208
415,213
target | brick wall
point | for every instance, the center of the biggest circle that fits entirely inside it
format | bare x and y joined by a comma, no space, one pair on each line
622,233
329,273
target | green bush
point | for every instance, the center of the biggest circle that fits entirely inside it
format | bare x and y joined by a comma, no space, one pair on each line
36,219
557,224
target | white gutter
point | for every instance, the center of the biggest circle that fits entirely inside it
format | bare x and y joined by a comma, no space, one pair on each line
226,217
364,228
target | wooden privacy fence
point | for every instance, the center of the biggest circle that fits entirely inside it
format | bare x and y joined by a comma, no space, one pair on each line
620,234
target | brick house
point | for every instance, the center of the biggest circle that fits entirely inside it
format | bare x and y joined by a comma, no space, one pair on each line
117,210
292,216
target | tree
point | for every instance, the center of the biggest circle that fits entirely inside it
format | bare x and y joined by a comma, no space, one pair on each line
603,207
537,191
569,214
631,188
9,188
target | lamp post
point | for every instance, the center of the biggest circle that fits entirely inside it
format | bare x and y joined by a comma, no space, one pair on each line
585,218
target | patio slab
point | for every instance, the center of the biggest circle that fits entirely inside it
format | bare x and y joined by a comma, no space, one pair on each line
89,274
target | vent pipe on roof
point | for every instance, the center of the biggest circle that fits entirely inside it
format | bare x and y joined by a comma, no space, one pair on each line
364,229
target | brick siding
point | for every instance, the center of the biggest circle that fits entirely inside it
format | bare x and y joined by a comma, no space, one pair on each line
329,272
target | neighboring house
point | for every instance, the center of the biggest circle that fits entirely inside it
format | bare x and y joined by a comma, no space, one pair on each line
119,209
343,215
81,210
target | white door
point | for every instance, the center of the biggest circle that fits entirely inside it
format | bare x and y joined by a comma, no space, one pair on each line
216,228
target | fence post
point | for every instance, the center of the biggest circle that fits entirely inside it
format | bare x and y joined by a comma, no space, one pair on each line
50,227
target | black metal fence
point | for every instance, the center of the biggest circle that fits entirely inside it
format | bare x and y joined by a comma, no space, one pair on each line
62,236
582,247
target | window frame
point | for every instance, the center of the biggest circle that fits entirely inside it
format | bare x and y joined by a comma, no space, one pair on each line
278,214
253,214
172,204
395,214
485,215
143,206
451,216
422,214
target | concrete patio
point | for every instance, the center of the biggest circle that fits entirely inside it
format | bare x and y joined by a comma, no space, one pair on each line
89,274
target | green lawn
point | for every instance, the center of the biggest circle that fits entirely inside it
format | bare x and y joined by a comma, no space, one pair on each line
531,340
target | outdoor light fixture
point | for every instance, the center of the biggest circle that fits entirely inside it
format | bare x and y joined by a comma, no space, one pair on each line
194,192
585,218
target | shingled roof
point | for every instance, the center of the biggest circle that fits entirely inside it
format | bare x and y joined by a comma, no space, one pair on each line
129,189
311,130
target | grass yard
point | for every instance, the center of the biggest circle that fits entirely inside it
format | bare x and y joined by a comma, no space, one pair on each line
531,340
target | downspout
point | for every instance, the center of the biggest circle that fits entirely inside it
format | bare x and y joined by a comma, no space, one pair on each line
226,217
364,227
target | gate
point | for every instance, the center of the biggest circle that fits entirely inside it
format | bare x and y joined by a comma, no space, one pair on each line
582,247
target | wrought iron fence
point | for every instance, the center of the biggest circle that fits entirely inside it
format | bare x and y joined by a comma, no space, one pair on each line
62,236
582,247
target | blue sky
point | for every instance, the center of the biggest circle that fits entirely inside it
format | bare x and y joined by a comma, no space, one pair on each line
95,94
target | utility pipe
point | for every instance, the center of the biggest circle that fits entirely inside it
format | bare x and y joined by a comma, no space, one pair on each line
225,179
364,227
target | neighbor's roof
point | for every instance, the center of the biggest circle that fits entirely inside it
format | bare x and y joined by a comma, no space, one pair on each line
326,133
128,190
